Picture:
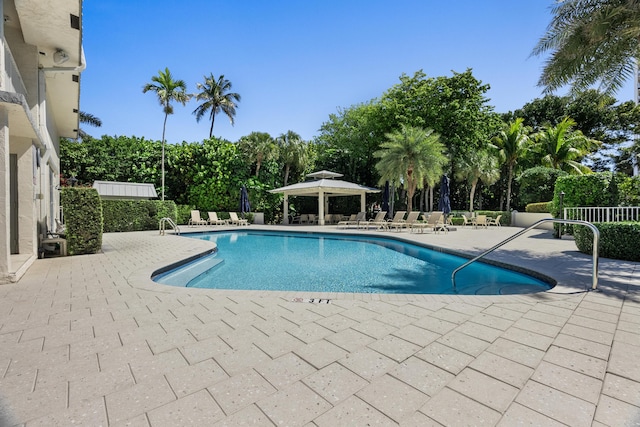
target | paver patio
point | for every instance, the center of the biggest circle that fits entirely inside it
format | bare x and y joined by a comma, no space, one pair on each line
91,340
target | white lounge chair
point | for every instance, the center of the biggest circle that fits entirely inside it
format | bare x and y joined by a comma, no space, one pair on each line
435,221
376,222
353,220
405,223
195,219
214,220
233,217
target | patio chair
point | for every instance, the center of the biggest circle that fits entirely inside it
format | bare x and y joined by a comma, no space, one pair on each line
405,223
195,219
214,220
399,216
494,221
376,222
480,221
353,220
435,221
313,219
465,221
233,217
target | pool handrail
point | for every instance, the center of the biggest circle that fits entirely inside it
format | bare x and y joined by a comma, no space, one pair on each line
164,222
596,242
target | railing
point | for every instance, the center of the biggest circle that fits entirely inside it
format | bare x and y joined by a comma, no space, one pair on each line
596,244
603,214
163,224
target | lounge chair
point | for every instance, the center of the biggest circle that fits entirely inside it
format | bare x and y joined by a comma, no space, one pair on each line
405,223
465,221
214,220
354,219
376,222
494,221
435,221
384,225
313,219
195,219
233,217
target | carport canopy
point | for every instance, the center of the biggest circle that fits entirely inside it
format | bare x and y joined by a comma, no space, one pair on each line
323,185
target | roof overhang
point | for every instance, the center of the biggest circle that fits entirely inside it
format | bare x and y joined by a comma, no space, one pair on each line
55,27
329,187
125,190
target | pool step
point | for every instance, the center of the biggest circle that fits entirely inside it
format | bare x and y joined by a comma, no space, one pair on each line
185,274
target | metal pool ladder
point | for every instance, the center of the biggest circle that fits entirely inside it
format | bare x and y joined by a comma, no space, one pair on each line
596,240
163,224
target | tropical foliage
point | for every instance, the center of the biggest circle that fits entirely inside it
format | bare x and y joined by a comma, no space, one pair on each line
591,41
477,166
216,97
513,143
410,154
167,90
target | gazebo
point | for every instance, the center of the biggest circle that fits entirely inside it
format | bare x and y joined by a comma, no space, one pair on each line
323,185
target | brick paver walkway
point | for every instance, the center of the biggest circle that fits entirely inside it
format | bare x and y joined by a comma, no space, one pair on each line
90,340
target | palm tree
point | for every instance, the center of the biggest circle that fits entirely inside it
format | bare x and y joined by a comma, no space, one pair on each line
88,119
216,97
560,147
168,90
412,154
591,41
258,147
293,152
513,142
477,166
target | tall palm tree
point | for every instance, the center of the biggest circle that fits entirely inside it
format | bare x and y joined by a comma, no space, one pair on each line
168,90
412,154
591,41
258,147
561,147
216,98
477,166
513,143
293,152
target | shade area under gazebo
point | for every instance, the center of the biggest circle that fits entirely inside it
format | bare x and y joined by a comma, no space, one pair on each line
324,185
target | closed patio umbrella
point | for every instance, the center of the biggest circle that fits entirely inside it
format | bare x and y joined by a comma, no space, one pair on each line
244,201
385,198
444,204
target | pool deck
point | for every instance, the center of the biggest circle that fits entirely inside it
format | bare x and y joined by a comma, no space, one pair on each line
90,340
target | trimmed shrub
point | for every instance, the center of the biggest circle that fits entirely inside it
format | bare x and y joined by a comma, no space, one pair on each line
136,215
618,240
629,190
542,207
83,219
184,214
537,184
595,189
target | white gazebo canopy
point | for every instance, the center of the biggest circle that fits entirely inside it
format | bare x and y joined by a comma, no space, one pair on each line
323,186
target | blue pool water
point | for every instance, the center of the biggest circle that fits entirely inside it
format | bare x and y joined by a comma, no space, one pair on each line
263,260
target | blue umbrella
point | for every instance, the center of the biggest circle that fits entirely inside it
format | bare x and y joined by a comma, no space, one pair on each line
444,204
385,197
244,201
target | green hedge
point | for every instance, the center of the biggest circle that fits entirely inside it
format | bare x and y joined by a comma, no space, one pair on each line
136,215
542,207
83,220
618,240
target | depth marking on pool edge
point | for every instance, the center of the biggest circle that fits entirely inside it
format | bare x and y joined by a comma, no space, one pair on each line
312,300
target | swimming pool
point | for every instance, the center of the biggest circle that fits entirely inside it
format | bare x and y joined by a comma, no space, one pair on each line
326,262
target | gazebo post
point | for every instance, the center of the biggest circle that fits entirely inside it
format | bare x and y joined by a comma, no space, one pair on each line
363,202
321,207
285,209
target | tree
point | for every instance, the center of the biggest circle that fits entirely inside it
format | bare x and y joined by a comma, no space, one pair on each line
168,90
513,142
560,147
293,152
88,119
258,147
590,41
410,154
216,97
477,166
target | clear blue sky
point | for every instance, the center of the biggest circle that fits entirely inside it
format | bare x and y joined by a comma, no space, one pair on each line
294,62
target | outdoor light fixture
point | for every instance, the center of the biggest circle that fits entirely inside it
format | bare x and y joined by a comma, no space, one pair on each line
60,57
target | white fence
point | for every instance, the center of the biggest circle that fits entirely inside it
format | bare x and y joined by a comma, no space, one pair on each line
603,214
